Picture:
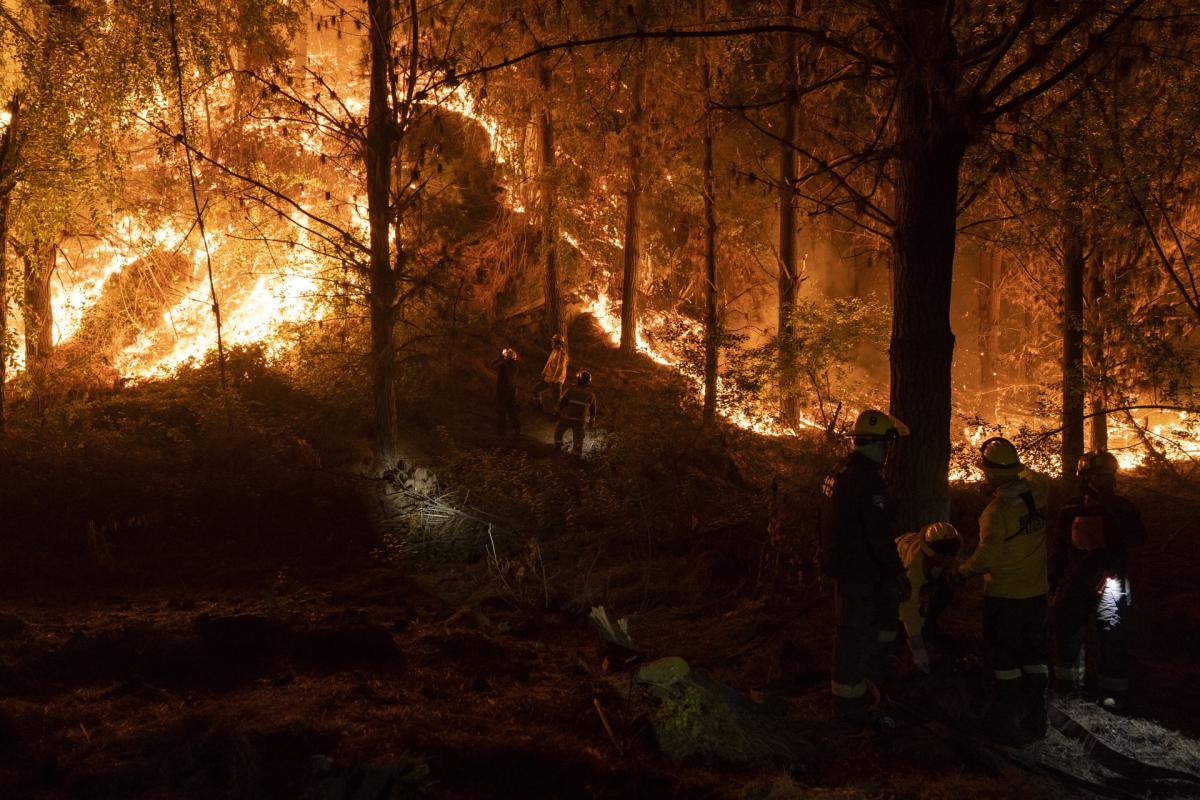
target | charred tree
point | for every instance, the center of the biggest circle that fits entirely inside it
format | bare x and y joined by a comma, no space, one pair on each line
1094,308
9,159
987,290
789,276
1072,332
40,258
553,295
932,140
633,219
712,328
379,152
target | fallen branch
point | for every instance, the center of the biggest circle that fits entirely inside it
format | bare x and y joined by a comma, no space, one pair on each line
607,728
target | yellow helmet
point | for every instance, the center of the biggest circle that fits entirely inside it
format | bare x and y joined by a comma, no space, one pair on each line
940,538
999,454
872,424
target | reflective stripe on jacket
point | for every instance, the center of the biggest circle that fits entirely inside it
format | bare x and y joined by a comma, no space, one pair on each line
1012,540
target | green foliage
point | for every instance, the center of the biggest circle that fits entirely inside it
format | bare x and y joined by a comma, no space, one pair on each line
816,358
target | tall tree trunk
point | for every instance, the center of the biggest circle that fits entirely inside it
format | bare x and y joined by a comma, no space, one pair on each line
554,317
987,290
932,141
384,292
1072,333
40,258
9,160
5,204
712,329
1094,307
789,276
633,219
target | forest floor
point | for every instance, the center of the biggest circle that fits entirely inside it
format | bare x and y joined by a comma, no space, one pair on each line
162,661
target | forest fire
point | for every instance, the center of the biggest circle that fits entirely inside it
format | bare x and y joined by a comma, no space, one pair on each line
570,399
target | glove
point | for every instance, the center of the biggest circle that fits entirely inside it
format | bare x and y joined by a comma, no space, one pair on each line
920,655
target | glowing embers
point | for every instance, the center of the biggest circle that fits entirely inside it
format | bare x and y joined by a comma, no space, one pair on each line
255,307
658,349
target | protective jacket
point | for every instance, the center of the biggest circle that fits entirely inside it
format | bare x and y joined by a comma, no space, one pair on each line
1095,535
506,376
856,531
555,370
578,403
922,576
1012,540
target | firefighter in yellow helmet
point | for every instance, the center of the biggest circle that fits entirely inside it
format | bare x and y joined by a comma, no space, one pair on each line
930,561
858,550
1089,568
1012,556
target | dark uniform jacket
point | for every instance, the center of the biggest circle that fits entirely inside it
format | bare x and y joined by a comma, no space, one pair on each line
1095,535
578,404
857,544
506,376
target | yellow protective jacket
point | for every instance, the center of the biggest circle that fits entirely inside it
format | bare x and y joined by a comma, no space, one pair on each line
1012,540
555,370
919,574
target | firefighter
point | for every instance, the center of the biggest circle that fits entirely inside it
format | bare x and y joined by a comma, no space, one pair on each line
1090,572
507,368
1012,555
930,562
554,375
577,411
858,551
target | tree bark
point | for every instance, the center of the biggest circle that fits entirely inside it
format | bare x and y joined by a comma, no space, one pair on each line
932,140
987,290
789,277
5,204
712,329
633,220
1072,332
1094,309
380,150
40,258
553,298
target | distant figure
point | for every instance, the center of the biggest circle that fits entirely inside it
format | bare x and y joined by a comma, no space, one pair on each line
930,561
1012,553
1090,573
577,411
859,552
554,375
507,368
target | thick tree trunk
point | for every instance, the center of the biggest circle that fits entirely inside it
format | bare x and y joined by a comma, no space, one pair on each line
5,204
40,258
553,298
633,218
1072,332
931,144
987,290
1094,301
712,329
789,276
379,152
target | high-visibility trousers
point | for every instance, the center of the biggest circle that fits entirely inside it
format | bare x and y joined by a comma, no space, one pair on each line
861,610
1015,630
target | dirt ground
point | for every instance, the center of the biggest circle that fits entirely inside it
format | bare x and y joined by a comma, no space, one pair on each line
217,673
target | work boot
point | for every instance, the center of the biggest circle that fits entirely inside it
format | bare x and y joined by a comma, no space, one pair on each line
1033,690
1000,720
